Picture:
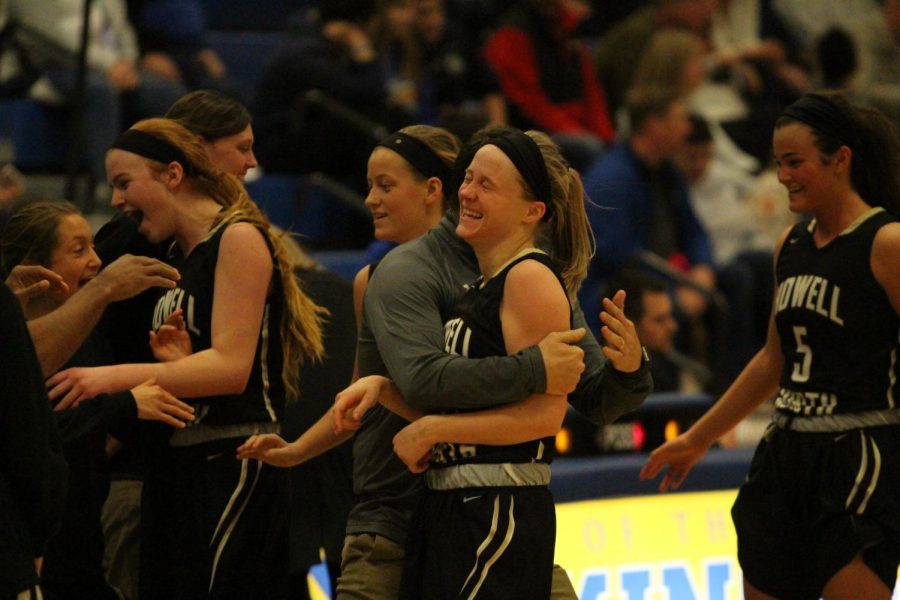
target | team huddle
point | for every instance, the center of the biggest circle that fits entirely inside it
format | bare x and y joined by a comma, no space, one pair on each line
471,347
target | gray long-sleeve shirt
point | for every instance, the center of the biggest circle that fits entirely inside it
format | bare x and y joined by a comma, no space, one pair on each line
402,336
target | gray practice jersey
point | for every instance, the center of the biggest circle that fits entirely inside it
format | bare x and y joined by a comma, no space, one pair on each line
402,336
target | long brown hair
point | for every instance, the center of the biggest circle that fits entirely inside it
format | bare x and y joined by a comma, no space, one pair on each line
301,325
567,230
210,114
32,233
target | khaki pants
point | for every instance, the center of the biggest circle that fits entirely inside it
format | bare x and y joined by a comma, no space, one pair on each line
371,567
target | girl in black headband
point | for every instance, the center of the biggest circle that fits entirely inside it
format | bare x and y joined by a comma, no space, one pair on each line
407,174
493,466
250,325
819,515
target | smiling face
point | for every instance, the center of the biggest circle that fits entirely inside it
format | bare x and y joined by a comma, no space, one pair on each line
802,169
140,193
492,202
73,257
234,153
398,197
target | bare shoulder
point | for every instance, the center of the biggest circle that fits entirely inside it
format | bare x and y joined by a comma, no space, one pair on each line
244,238
885,266
361,280
533,287
243,249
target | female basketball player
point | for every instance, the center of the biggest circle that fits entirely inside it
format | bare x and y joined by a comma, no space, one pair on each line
819,514
486,524
250,326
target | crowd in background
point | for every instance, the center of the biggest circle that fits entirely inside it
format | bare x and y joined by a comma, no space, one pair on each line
664,107
349,71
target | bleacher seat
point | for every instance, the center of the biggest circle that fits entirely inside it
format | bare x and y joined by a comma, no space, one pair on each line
295,204
245,53
345,263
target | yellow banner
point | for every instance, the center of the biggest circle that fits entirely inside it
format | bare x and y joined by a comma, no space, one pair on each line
664,547
658,547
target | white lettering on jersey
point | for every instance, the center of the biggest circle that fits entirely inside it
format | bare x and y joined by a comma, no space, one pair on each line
806,403
169,303
811,293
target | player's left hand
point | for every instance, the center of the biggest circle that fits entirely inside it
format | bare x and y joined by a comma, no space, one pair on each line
75,385
351,404
622,346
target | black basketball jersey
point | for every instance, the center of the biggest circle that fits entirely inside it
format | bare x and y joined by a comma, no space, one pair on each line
263,399
839,333
473,329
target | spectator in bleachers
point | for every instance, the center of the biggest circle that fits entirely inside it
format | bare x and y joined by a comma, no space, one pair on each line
400,54
649,306
117,90
171,35
678,57
12,185
751,50
643,202
456,76
301,135
549,79
720,195
619,50
837,60
872,25
675,58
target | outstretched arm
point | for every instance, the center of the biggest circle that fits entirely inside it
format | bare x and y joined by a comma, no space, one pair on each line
272,449
756,383
242,277
60,333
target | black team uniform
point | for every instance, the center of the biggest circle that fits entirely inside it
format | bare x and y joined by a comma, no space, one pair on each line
486,527
824,484
73,562
216,527
32,468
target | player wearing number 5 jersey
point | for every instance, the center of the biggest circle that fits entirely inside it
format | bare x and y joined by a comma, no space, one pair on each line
819,514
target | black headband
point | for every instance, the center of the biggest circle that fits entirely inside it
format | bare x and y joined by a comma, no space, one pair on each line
418,154
824,116
527,158
149,146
